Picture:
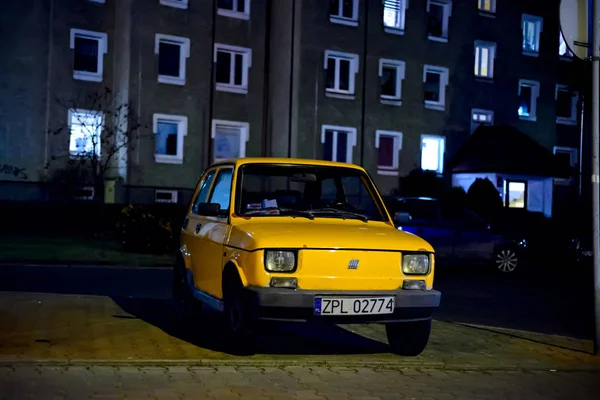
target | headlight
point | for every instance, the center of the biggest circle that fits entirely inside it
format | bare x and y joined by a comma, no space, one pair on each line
280,261
415,264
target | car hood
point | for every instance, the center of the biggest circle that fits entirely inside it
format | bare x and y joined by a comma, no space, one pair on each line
323,234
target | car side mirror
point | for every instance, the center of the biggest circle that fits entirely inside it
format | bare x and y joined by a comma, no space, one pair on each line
208,209
402,217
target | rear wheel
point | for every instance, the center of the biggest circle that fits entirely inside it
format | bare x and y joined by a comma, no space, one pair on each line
506,259
408,338
240,324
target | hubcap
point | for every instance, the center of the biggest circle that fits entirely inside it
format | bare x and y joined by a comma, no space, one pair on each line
506,260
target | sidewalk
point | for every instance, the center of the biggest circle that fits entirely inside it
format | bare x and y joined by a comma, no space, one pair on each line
81,330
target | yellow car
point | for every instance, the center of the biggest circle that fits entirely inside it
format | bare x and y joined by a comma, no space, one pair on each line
302,240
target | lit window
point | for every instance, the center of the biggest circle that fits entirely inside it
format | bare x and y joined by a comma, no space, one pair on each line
432,153
391,73
233,65
488,6
338,142
85,129
515,194
169,131
528,94
341,71
234,8
435,80
394,16
344,12
172,52
563,49
439,18
481,117
183,4
88,54
165,196
388,145
566,105
532,29
229,139
485,53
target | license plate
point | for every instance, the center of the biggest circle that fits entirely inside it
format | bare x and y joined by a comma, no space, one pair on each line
353,305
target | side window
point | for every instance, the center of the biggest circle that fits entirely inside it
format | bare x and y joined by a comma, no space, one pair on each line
204,189
221,193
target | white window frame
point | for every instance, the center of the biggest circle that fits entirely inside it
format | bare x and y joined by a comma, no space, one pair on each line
447,5
184,53
90,197
182,4
173,193
247,64
351,142
535,93
97,1
441,153
353,58
476,112
100,126
574,153
491,47
101,37
182,128
244,128
339,19
236,14
399,29
574,101
445,73
384,169
481,7
400,67
539,24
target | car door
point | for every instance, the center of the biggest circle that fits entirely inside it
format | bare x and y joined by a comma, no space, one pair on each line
474,241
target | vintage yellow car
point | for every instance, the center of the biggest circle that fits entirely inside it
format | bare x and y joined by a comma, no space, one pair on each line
301,240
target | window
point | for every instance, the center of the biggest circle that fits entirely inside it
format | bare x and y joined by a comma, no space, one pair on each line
183,4
566,105
221,193
481,117
528,94
165,196
172,52
84,193
205,186
232,68
338,142
230,139
515,194
344,12
532,29
341,69
563,49
485,53
394,16
391,73
234,8
435,80
487,6
432,153
439,17
88,54
85,129
170,131
388,144
566,156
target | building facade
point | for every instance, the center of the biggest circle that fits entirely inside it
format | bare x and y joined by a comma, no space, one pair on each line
391,85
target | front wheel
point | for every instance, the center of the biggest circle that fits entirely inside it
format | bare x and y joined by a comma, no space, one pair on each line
239,321
408,338
506,259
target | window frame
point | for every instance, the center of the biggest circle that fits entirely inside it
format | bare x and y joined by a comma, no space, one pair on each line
574,161
220,169
402,20
506,199
491,58
400,67
224,12
571,121
447,6
193,209
479,111
91,189
102,39
97,1
444,77
441,152
354,66
181,4
94,114
246,53
184,53
182,128
397,137
244,128
174,196
482,11
535,93
340,19
539,26
350,143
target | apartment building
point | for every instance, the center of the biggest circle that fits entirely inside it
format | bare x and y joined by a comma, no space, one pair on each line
392,85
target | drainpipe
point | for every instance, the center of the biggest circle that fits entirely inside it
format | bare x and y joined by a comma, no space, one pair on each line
266,142
208,142
291,105
364,87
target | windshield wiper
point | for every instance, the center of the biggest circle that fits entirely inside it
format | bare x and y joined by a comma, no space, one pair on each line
282,211
342,213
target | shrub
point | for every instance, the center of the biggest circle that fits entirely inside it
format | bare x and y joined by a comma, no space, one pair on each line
144,229
484,199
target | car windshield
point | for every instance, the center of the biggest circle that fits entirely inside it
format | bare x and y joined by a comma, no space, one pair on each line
306,191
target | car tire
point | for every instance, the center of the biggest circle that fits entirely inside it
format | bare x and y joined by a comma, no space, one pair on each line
240,324
408,338
506,260
186,306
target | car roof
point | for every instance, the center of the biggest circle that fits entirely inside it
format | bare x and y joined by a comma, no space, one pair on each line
293,161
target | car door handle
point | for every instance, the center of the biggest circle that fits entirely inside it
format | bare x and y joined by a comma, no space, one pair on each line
198,226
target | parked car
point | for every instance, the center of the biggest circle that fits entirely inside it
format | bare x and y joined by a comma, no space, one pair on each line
458,235
302,240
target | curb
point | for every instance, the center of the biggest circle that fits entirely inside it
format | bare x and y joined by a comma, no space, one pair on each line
97,266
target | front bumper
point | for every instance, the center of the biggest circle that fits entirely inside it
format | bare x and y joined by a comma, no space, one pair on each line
297,305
